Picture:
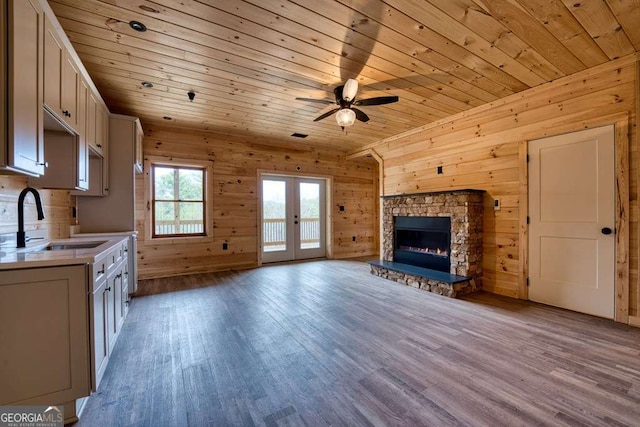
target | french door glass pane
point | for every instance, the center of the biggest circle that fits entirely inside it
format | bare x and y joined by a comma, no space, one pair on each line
274,213
309,215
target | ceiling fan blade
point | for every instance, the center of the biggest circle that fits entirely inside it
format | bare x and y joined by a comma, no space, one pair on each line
325,115
377,101
320,101
360,115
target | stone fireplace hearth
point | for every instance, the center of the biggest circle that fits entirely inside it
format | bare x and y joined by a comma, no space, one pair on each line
465,210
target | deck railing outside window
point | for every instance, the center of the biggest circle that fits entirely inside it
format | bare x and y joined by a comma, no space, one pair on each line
179,227
274,234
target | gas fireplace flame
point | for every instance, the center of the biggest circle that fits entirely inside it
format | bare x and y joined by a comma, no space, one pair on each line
432,251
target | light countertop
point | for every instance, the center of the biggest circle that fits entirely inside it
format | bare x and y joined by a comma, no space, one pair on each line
32,256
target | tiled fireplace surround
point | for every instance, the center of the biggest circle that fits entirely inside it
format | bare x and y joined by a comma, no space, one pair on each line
465,207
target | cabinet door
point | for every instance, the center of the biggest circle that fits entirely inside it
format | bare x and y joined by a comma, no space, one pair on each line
100,329
92,105
125,290
25,142
112,328
54,53
83,148
103,115
70,85
138,146
45,339
118,318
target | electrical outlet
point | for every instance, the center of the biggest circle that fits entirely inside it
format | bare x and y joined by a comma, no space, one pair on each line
353,238
341,207
225,246
496,205
439,170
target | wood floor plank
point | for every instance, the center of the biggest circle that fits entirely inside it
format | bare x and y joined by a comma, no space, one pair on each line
327,343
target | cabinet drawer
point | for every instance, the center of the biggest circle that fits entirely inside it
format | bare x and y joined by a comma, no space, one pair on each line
99,270
112,258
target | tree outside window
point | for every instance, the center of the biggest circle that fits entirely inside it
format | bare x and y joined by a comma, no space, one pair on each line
178,203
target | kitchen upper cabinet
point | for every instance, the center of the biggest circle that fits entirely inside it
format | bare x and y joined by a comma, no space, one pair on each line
96,134
139,157
22,60
102,141
61,78
70,86
83,146
90,129
54,53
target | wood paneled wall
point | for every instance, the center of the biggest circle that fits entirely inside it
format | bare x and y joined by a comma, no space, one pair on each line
57,209
485,148
236,162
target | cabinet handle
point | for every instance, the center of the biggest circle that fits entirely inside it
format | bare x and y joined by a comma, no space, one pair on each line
127,302
66,113
107,289
101,271
119,275
99,145
45,164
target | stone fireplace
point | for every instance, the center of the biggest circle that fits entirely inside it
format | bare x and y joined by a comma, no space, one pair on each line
415,250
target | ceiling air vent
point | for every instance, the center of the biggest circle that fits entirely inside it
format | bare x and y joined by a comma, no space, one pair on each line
299,135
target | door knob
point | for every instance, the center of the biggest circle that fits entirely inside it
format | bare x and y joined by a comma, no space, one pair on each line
606,230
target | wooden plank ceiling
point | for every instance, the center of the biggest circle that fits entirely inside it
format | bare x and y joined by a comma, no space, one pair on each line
247,60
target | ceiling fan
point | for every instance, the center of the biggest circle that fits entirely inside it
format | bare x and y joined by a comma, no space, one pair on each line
345,95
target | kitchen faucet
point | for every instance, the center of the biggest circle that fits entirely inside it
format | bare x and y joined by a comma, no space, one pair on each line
21,236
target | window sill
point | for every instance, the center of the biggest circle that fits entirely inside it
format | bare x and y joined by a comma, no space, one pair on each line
179,240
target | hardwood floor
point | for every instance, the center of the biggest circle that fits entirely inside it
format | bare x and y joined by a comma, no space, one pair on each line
326,343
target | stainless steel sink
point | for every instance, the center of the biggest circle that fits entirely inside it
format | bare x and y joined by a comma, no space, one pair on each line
68,246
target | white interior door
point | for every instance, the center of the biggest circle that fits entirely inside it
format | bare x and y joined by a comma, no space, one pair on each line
572,220
293,218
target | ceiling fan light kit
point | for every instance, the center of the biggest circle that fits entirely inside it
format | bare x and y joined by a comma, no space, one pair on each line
350,90
345,117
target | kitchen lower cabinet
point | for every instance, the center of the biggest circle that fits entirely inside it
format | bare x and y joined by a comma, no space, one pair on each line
45,336
106,312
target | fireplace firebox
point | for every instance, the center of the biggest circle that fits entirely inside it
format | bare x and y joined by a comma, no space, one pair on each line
423,241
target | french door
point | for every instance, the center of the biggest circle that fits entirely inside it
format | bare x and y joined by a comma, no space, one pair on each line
293,218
